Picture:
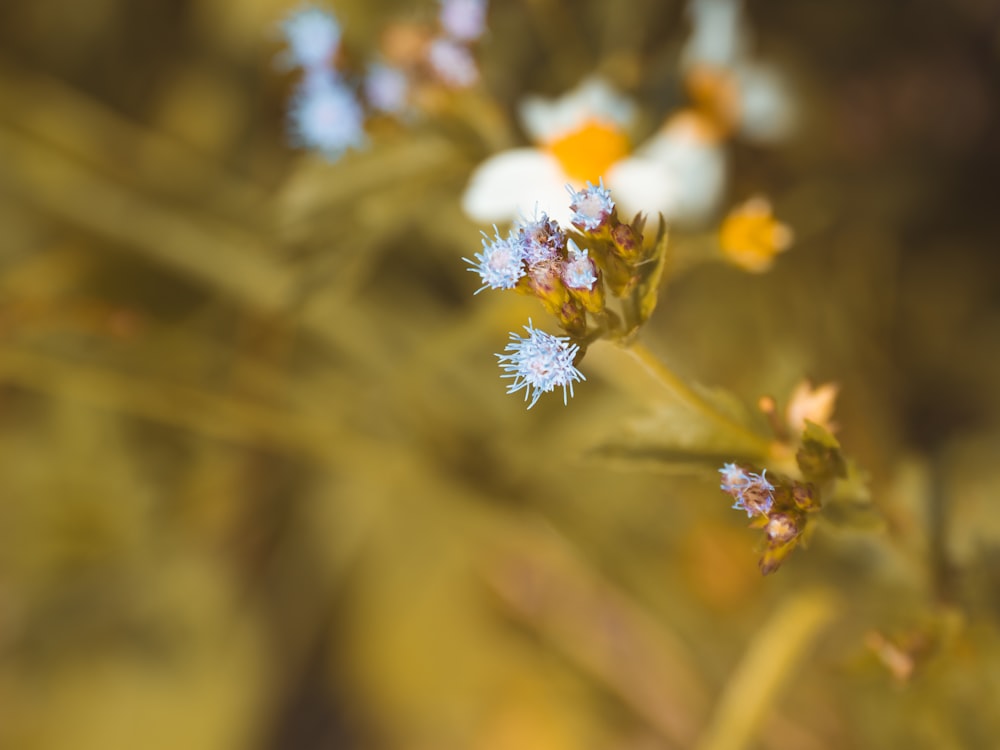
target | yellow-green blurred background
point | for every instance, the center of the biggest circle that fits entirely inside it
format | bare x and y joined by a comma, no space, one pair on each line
260,485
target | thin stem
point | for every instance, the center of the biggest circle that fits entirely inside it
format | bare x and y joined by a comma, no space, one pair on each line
769,663
691,398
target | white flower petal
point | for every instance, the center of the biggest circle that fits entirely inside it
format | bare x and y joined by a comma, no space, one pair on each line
639,184
767,107
515,183
718,34
593,99
693,163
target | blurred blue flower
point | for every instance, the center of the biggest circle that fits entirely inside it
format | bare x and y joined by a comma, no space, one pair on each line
313,36
326,115
464,20
386,89
452,63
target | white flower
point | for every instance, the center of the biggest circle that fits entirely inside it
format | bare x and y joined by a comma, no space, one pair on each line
767,111
581,137
720,40
718,33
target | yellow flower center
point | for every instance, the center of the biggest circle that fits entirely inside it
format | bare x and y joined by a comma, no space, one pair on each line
587,152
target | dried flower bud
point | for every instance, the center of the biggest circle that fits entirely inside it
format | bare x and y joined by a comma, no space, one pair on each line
805,497
627,242
782,528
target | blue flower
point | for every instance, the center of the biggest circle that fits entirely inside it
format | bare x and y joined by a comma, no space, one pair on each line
327,116
734,479
542,238
591,206
539,363
752,492
501,263
579,272
313,37
755,498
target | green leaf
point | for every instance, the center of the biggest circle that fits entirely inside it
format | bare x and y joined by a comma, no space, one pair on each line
819,457
649,288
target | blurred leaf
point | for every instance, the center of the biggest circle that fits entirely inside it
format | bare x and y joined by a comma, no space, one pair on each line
819,457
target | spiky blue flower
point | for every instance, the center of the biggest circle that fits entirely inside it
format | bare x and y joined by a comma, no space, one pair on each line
539,363
755,498
734,479
313,36
501,263
326,115
579,271
591,206
542,238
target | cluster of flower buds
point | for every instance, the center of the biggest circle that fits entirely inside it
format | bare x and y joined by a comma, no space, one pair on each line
780,508
572,271
329,111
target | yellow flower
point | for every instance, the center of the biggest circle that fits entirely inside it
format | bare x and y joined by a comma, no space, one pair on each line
750,236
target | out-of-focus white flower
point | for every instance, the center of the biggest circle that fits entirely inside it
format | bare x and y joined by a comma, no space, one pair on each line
762,103
694,163
582,137
766,111
718,33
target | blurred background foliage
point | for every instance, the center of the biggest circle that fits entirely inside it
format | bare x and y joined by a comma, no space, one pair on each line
261,486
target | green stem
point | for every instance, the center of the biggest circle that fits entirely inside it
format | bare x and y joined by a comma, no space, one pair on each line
691,398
